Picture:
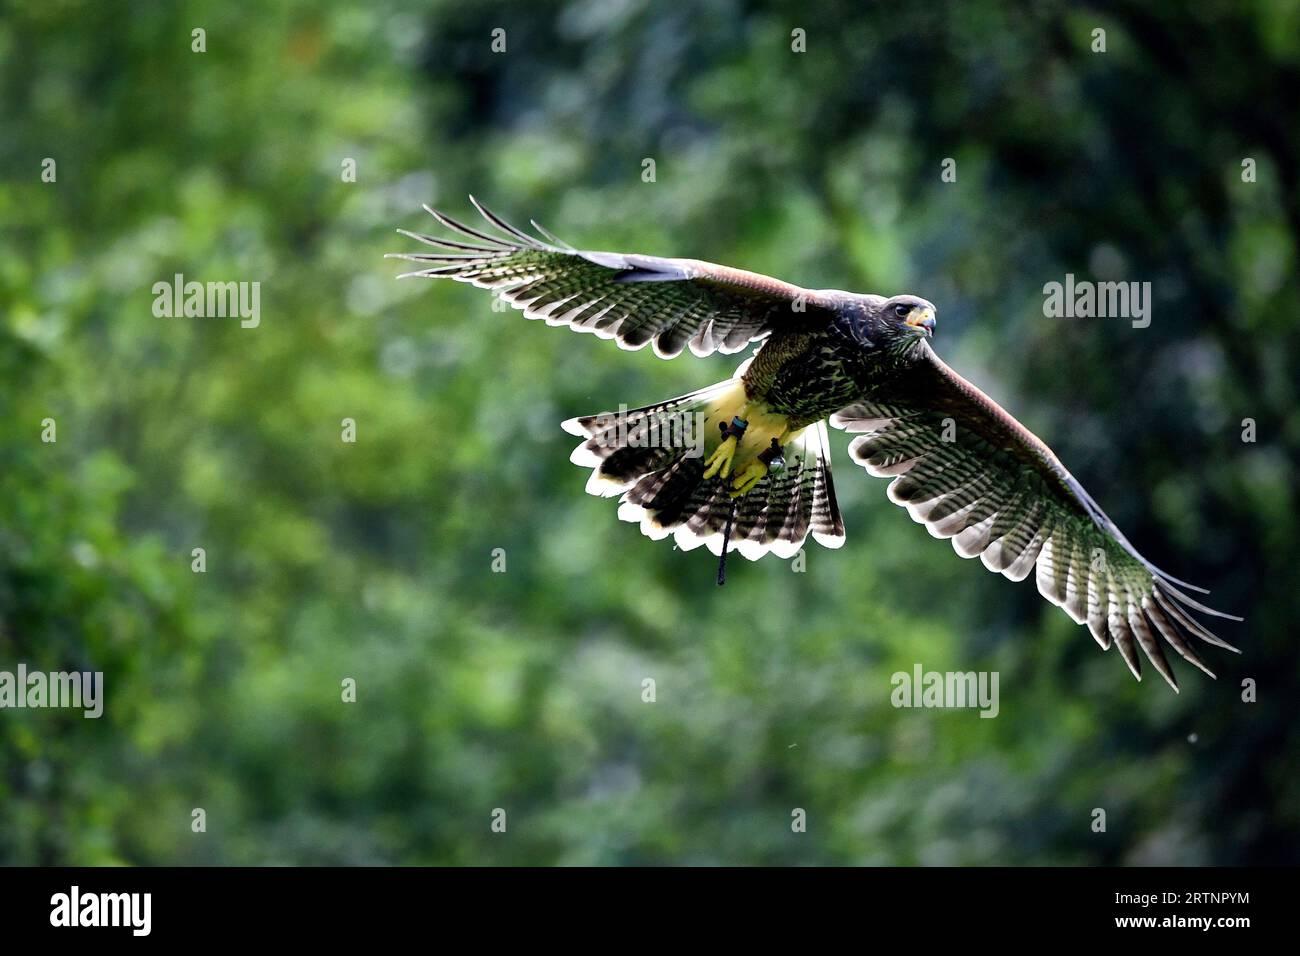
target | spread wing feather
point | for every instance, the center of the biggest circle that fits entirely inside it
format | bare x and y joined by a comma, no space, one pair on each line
671,304
968,471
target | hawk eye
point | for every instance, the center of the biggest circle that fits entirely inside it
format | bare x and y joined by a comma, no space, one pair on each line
902,311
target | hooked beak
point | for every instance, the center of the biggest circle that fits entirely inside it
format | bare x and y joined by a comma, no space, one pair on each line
922,318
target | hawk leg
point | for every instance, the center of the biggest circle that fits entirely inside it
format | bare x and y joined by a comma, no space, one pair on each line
771,459
719,463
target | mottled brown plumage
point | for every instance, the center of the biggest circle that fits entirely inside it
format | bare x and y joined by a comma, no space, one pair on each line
959,463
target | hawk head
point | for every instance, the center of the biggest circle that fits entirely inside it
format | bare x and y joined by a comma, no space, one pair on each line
900,322
909,315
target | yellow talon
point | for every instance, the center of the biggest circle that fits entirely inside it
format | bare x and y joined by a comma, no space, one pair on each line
747,479
719,463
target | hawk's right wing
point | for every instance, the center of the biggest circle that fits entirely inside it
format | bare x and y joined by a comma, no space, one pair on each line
635,300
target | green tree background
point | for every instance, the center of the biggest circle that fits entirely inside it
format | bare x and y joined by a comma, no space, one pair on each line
522,690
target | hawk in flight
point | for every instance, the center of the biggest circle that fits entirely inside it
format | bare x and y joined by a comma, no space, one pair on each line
759,479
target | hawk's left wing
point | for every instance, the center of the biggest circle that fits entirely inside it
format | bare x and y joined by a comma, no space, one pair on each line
635,300
967,470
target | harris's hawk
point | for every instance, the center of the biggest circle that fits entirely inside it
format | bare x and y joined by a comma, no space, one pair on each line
744,464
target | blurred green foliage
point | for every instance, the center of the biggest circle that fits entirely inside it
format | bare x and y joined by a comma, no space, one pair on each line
522,690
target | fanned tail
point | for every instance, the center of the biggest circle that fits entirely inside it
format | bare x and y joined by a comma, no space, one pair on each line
655,461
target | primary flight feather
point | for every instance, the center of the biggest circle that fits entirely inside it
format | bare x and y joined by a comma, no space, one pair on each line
960,464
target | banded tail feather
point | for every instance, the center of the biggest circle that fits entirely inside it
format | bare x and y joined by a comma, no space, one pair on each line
662,486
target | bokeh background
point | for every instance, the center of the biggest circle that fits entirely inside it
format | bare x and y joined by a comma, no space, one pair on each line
522,690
